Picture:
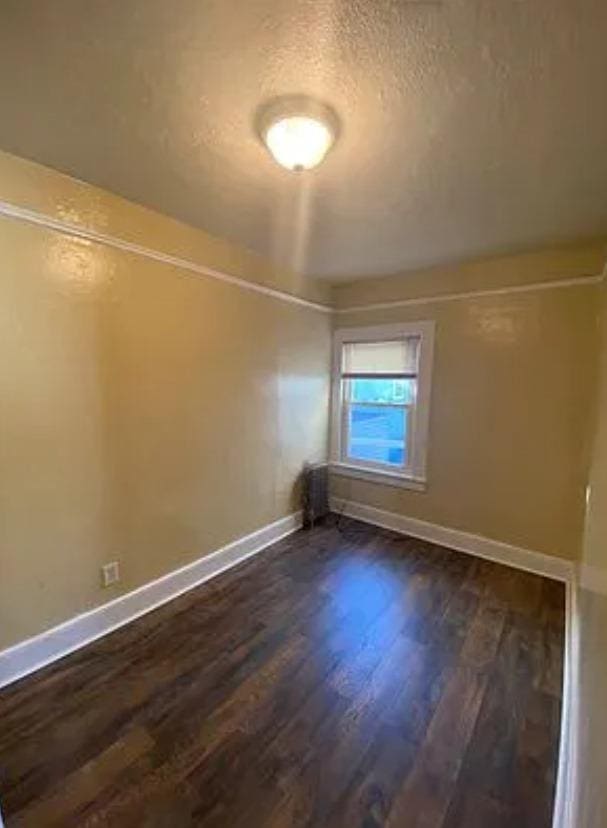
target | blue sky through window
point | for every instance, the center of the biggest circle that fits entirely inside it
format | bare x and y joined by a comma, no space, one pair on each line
378,433
398,391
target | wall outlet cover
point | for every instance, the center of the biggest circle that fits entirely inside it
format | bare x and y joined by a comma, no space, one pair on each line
110,573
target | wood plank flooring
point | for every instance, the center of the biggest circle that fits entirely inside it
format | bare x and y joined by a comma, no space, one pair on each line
345,677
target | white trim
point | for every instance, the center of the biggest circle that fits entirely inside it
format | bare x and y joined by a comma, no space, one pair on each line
50,223
565,798
473,294
43,649
418,433
386,478
537,562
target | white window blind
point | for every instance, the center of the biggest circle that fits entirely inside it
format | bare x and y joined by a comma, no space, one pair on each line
394,359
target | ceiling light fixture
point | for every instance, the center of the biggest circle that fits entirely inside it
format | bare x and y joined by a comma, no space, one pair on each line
298,131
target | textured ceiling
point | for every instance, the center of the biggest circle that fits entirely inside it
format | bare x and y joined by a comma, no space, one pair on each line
468,126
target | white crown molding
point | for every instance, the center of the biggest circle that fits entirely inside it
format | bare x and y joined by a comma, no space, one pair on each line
537,562
24,214
53,644
474,294
42,220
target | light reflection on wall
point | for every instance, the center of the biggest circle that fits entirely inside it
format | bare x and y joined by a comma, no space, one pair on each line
87,211
77,264
496,324
301,413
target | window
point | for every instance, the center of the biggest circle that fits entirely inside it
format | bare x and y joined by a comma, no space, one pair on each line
381,395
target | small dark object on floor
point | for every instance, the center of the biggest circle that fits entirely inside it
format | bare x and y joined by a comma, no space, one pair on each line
315,493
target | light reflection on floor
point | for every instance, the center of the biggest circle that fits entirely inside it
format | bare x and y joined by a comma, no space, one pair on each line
366,607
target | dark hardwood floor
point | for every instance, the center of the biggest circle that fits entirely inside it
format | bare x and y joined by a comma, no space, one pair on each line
353,678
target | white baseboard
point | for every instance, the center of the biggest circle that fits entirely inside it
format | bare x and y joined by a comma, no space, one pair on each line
537,562
43,649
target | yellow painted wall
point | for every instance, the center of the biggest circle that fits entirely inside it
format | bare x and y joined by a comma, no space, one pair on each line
590,692
151,415
512,387
37,188
575,261
147,414
594,559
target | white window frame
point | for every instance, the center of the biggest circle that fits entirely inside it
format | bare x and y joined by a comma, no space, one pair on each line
412,476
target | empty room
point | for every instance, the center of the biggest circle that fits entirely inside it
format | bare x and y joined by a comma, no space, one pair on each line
303,413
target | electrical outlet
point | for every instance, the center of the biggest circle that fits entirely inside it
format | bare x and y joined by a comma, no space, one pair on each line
110,573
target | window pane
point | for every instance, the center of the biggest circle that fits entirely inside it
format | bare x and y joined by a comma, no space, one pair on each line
378,434
385,391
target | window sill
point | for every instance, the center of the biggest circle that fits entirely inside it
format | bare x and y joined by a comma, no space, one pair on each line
386,478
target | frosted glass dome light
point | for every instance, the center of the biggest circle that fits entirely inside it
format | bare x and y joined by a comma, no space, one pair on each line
298,133
298,142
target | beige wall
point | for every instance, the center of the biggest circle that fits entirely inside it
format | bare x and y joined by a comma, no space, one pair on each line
575,261
591,690
594,560
513,384
151,415
30,185
147,414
